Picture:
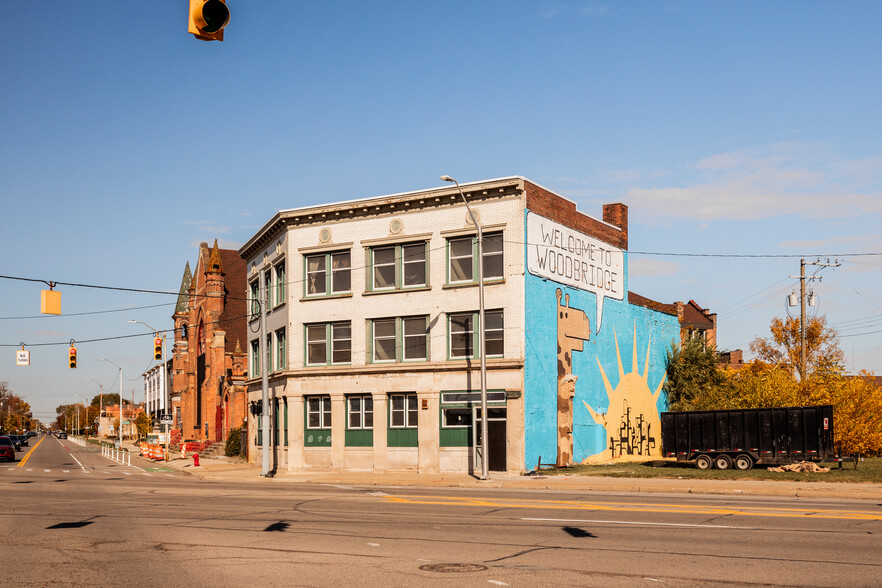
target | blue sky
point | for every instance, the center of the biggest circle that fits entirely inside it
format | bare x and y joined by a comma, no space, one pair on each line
731,128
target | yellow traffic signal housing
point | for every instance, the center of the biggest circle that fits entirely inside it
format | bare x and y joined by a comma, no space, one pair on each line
72,357
208,18
50,302
157,348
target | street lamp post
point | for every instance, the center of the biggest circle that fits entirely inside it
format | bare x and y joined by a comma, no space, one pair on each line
120,398
485,471
100,403
165,385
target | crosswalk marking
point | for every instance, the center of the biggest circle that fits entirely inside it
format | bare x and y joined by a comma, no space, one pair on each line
111,472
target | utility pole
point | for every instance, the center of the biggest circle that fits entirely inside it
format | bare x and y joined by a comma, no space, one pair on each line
802,278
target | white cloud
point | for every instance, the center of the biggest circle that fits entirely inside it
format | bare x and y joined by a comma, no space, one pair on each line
800,179
639,266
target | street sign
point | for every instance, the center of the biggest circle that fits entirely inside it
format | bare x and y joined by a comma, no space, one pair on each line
23,357
165,419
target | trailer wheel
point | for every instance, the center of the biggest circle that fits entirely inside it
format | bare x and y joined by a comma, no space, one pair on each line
723,462
743,462
704,462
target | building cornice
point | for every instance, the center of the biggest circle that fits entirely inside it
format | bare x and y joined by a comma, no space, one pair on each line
381,205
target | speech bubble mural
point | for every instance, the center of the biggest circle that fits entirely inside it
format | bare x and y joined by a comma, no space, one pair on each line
568,257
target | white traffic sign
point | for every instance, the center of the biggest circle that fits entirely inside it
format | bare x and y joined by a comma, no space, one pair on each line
22,357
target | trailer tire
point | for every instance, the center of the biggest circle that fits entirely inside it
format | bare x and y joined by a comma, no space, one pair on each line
704,462
723,462
743,462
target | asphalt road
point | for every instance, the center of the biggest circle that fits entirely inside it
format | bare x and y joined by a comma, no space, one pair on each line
100,523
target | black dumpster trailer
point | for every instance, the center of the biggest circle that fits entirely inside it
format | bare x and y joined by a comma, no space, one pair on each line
741,438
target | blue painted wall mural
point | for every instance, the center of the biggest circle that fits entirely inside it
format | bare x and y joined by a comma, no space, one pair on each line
595,364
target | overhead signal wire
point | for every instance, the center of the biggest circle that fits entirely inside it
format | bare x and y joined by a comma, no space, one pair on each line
746,298
841,277
368,265
443,247
37,316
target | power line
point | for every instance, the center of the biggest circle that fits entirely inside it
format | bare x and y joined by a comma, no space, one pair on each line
42,316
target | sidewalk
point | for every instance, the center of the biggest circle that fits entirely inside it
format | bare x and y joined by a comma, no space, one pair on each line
227,469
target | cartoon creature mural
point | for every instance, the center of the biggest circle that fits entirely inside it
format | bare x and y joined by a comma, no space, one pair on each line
573,329
632,423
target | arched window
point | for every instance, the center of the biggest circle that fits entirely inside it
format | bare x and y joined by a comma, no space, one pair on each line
200,336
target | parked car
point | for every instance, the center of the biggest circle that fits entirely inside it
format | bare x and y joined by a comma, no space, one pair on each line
24,440
62,435
15,442
7,449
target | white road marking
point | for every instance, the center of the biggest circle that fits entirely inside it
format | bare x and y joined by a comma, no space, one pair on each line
66,471
374,544
497,583
78,461
645,523
127,473
47,470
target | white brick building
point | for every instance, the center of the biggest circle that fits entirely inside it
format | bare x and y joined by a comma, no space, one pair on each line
155,394
372,330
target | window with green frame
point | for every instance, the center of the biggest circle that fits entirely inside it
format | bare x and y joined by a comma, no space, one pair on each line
254,291
268,284
463,332
456,415
255,359
399,339
279,283
317,421
360,420
281,349
461,255
328,274
259,437
402,430
328,343
276,419
397,267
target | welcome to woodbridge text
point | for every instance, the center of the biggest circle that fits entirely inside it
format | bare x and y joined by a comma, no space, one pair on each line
574,258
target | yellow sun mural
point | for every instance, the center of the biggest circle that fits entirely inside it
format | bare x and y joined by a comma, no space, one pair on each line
632,422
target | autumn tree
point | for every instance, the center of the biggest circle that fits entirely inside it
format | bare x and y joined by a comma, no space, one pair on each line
784,348
144,424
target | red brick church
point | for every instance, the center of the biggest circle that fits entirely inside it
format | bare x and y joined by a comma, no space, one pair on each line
209,366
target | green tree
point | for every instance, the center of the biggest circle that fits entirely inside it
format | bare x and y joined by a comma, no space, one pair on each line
105,399
233,445
692,374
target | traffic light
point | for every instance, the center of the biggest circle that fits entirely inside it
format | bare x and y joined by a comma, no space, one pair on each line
157,348
72,357
208,19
